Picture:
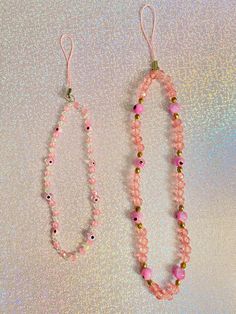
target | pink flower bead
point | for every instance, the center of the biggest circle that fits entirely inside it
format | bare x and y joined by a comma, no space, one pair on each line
178,272
181,215
90,238
48,196
88,126
138,108
95,197
56,245
137,217
49,161
178,161
139,162
96,212
146,273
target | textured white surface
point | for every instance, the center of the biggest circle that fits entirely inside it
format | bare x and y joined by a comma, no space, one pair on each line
195,46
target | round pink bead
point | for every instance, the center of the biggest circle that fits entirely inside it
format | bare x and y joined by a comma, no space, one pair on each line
178,161
146,273
174,108
139,162
137,217
138,108
178,272
181,215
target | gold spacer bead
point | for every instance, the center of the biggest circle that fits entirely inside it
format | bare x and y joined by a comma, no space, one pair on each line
183,265
149,282
137,170
140,226
173,99
179,169
181,224
177,282
144,265
141,100
137,208
179,152
139,154
181,207
176,116
137,117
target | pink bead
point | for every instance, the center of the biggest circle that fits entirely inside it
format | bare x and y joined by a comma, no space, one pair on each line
62,118
95,197
181,215
66,108
178,272
48,196
73,257
146,273
90,238
56,245
52,203
76,105
96,212
139,162
94,223
137,217
92,181
55,213
49,161
178,161
82,251
55,225
174,108
88,126
138,108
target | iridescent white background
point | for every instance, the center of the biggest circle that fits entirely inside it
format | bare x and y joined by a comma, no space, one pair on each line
196,46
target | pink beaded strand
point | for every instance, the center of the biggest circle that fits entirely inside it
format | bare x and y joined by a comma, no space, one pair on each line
178,161
50,162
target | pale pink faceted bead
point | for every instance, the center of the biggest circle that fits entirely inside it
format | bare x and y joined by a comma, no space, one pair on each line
47,184
52,203
144,241
76,105
179,176
141,257
178,272
66,108
84,111
181,184
47,173
73,257
55,213
179,146
153,74
146,273
55,225
187,248
138,202
181,215
92,181
186,258
52,144
92,169
135,131
186,240
96,212
95,223
56,245
82,251
140,148
62,118
175,123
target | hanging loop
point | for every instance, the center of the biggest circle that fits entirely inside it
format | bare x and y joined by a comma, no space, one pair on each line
150,39
68,57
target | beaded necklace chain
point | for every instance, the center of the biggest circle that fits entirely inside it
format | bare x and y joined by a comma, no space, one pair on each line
174,107
50,162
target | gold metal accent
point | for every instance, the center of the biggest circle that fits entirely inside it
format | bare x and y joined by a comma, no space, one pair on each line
137,117
179,152
183,265
179,169
177,282
137,208
69,97
181,207
176,116
149,282
139,154
141,100
173,99
154,65
140,226
137,170
181,224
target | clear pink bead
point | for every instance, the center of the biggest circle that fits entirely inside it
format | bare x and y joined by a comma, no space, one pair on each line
178,272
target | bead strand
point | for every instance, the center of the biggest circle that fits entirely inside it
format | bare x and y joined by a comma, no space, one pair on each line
178,161
50,161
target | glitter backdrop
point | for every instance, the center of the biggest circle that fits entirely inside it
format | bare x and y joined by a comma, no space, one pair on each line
196,46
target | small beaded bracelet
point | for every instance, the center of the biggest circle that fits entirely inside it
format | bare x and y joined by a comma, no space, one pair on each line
50,162
178,270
